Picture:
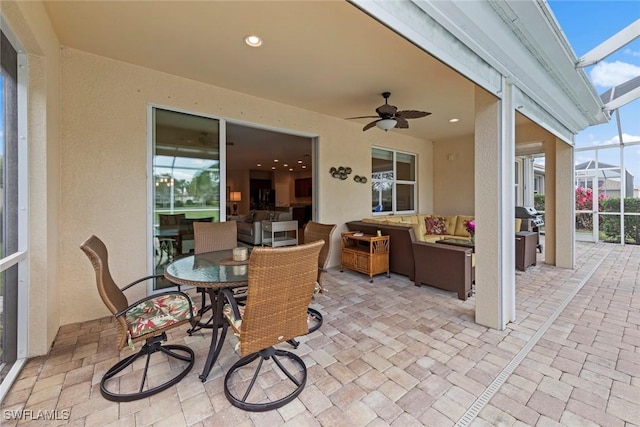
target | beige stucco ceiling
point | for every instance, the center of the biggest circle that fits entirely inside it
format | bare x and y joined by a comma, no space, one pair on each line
323,56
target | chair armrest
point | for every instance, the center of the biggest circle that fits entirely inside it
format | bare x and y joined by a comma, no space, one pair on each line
143,279
444,266
230,299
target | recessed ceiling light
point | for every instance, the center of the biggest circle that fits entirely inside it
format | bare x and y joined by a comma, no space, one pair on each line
273,167
454,120
299,161
259,164
275,160
285,165
304,167
290,169
253,41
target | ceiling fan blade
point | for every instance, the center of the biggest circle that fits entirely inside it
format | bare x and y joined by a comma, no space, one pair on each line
370,125
402,123
362,117
386,110
411,114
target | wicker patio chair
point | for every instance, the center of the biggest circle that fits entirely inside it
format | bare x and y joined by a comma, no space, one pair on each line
145,320
313,232
208,237
214,236
281,283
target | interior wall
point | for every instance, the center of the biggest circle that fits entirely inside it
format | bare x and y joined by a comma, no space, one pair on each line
238,180
282,183
453,176
302,200
104,163
28,21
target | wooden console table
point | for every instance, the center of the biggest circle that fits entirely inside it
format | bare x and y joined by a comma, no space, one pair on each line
366,254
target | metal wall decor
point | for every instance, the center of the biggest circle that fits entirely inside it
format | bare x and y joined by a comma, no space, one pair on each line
343,172
340,172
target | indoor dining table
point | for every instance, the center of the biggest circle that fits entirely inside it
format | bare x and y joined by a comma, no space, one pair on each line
213,271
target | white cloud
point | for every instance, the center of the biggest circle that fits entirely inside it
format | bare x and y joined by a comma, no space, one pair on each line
609,74
594,141
631,52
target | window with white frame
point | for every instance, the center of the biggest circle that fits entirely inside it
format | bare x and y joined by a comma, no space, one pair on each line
393,181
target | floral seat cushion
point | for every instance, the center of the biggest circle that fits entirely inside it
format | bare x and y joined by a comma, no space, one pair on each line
160,312
228,314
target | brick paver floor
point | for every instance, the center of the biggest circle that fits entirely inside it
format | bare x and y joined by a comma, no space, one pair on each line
391,353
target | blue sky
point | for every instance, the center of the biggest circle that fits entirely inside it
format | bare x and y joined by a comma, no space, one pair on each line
586,24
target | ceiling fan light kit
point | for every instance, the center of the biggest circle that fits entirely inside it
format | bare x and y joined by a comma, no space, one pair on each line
389,117
386,124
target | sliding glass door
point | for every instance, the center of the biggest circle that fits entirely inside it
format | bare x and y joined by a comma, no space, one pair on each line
13,254
187,182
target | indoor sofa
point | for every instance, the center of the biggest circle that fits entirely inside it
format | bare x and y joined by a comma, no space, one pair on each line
250,226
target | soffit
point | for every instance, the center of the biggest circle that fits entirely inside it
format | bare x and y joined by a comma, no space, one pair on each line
323,56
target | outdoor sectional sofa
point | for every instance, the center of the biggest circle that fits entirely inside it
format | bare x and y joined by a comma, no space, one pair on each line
415,254
412,252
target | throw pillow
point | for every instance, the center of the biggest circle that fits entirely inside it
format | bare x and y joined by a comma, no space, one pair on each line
435,225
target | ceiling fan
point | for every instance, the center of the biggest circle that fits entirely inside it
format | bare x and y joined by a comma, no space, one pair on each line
389,117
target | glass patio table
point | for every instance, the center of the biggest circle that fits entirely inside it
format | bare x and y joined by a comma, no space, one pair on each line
213,271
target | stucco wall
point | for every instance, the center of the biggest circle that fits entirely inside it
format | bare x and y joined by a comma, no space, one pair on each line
104,162
29,22
453,176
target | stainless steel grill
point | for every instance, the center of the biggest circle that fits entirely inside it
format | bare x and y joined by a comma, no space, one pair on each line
531,221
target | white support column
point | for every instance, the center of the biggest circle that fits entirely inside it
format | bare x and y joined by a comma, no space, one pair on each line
494,207
527,182
565,225
550,167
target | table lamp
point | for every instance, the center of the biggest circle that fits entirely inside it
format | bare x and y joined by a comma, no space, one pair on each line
235,197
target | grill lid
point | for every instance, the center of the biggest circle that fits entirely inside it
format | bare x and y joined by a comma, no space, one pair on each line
526,212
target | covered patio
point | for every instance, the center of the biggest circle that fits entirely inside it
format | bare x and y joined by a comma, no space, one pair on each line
391,353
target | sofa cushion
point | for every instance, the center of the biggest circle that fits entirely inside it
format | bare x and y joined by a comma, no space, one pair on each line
245,228
409,219
435,225
461,229
394,219
422,229
450,220
431,238
261,215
